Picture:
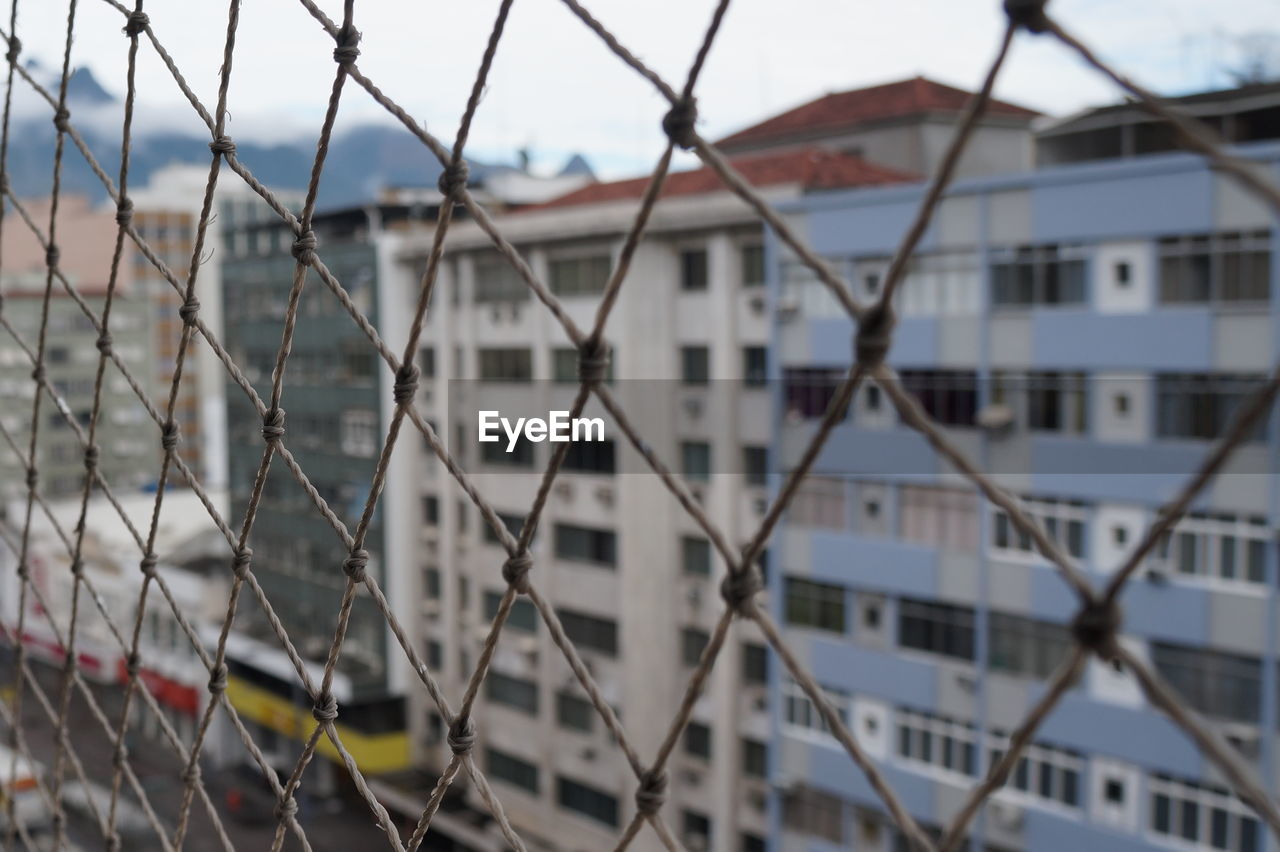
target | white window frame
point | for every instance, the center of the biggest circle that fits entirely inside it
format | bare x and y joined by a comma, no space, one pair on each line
937,727
358,433
1036,755
1206,800
1040,510
1209,534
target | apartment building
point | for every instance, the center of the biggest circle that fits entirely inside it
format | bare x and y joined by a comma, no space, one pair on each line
1084,331
86,237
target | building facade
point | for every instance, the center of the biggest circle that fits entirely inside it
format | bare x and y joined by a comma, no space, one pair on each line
1084,332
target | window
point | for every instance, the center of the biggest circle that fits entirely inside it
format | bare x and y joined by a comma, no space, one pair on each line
1123,273
819,502
431,510
1028,276
591,457
1061,520
513,523
427,362
1215,683
579,276
752,843
1216,547
695,555
753,265
697,740
937,741
587,801
755,663
588,631
936,628
693,269
495,452
584,544
808,391
359,436
939,517
513,692
754,366
1215,268
564,365
695,460
513,770
817,605
692,643
1054,402
496,280
1209,816
945,283
506,365
1043,771
523,615
755,465
697,829
811,812
755,758
695,365
948,396
574,713
431,582
1023,646
1200,405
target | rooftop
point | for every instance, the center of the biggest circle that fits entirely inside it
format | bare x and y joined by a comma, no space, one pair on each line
846,110
811,168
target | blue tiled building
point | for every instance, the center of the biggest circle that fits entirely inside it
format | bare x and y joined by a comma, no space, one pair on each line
1082,330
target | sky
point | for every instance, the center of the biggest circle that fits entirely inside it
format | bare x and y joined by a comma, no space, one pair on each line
555,89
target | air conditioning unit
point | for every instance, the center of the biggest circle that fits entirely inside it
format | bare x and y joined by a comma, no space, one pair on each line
695,491
756,303
527,645
495,312
995,418
695,595
1157,573
696,842
692,777
1005,815
564,489
692,406
762,704
1244,738
966,682
588,754
761,505
604,494
788,307
431,607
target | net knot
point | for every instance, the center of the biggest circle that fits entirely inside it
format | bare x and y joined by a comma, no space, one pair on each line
218,679
51,256
118,754
137,23
131,666
124,212
61,118
1028,14
287,809
875,329
304,248
273,425
148,565
189,311
104,343
593,361
15,49
113,843
348,49
33,477
91,457
169,435
77,567
355,564
191,775
652,793
222,145
453,181
241,561
462,736
1095,627
516,572
406,386
37,374
679,121
4,183
325,709
739,589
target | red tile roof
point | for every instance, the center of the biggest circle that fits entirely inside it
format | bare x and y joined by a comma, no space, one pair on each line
876,103
811,168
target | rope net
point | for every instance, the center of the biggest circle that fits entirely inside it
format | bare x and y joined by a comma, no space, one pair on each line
1094,628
